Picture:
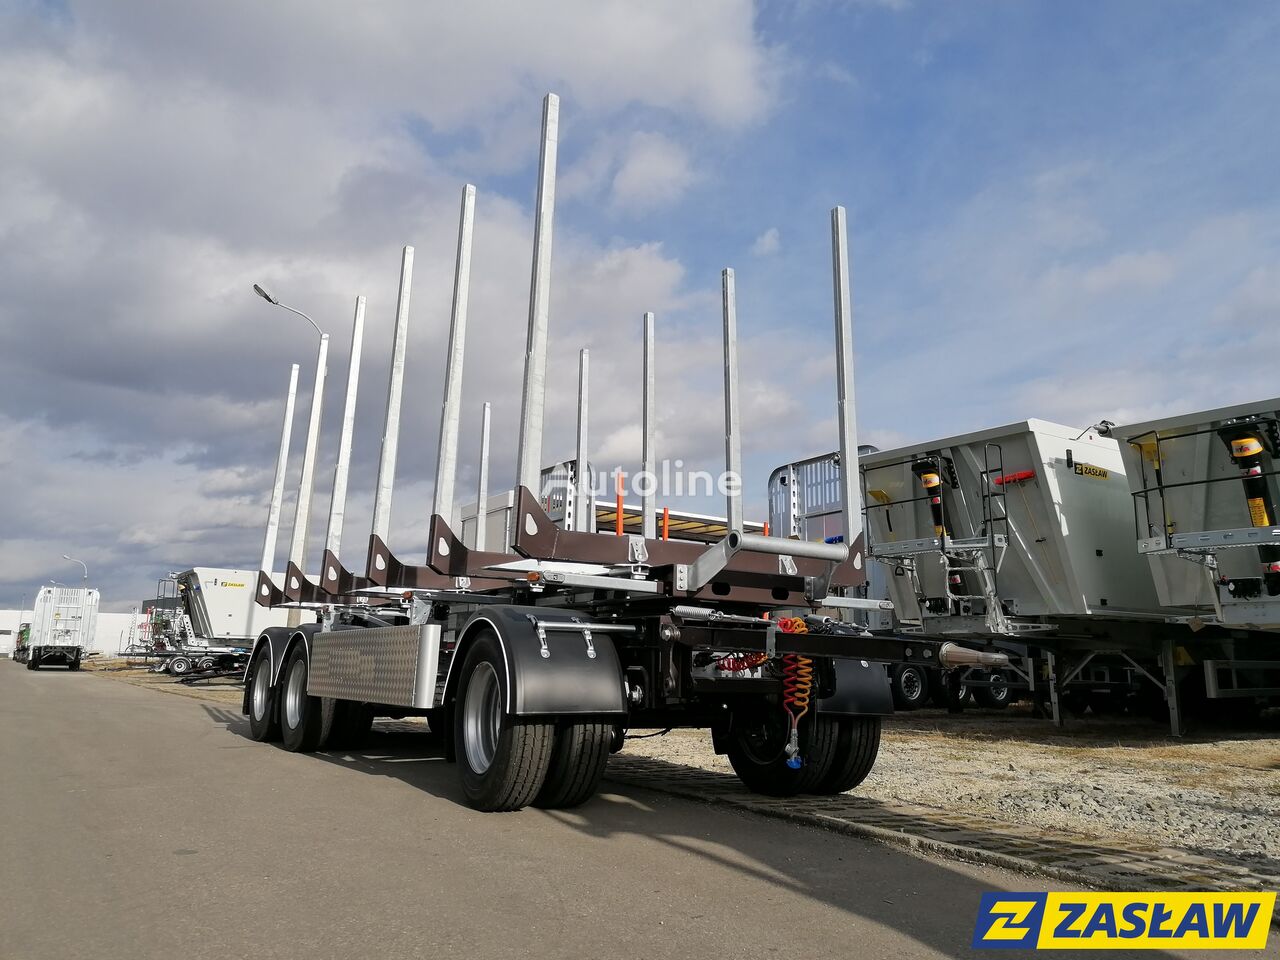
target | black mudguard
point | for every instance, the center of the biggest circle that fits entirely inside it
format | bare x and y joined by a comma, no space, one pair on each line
862,690
568,682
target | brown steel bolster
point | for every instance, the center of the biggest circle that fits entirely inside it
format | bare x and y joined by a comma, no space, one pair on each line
266,593
387,570
541,538
448,555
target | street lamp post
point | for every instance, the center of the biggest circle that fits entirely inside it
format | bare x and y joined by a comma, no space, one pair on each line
83,564
306,486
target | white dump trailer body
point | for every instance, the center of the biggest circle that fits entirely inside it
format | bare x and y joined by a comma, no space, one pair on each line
1204,510
220,603
62,626
64,617
1006,531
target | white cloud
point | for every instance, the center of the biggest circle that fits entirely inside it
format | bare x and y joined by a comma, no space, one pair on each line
767,244
653,173
159,160
1148,270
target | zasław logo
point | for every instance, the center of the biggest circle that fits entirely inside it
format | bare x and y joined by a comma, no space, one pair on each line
1136,921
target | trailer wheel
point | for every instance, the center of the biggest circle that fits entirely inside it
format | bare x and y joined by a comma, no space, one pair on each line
502,759
204,663
33,664
578,757
304,720
351,724
997,696
73,665
910,687
180,666
942,694
264,717
757,750
857,746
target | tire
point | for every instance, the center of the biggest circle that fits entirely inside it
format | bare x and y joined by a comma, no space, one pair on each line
857,747
956,701
180,666
351,724
941,696
910,687
995,697
304,720
204,663
1076,702
578,757
264,714
73,665
33,664
502,759
757,743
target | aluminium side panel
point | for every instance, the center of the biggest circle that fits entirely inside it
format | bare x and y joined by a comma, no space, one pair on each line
1066,553
1090,492
221,605
397,666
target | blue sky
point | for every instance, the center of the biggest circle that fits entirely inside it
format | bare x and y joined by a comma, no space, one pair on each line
1064,211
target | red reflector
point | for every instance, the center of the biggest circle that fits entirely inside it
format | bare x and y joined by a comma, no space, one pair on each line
1014,477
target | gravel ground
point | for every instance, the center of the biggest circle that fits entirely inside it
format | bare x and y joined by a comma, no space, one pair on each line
1104,778
227,690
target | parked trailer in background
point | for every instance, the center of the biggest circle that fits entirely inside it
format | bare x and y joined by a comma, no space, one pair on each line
1020,538
204,619
1205,496
62,627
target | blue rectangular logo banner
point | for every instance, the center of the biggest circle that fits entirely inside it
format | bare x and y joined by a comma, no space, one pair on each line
1109,921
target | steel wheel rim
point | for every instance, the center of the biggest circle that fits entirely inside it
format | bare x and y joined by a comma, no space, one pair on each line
481,717
999,687
294,693
910,684
261,684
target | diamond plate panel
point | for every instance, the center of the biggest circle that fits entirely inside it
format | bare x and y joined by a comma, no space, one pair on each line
392,665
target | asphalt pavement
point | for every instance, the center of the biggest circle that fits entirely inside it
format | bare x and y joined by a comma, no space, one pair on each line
139,824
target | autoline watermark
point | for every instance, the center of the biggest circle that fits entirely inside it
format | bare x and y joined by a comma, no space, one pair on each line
671,479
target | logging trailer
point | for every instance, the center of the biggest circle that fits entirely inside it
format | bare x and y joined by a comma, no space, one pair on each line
535,655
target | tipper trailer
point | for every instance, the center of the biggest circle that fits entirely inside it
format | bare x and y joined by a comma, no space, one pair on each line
1021,538
62,626
536,657
203,619
1206,492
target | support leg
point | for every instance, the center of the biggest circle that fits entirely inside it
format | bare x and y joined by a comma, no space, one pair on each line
1055,706
1168,663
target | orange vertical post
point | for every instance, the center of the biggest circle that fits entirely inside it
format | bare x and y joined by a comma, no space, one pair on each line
618,490
666,522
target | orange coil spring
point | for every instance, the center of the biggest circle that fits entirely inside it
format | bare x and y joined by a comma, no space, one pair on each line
742,661
793,625
797,684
